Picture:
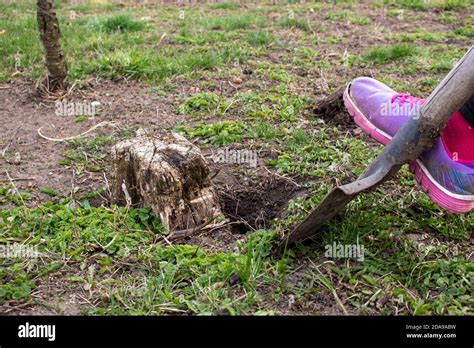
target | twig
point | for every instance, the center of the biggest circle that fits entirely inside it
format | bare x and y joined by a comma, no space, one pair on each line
20,306
339,302
5,150
239,220
128,198
215,174
74,222
188,232
18,179
108,244
282,177
15,188
161,38
372,298
107,184
167,241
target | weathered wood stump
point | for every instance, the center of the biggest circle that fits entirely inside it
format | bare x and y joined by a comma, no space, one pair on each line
166,173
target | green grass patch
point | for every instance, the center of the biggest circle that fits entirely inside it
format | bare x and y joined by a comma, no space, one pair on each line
15,282
279,104
118,23
259,38
422,5
81,230
294,23
337,16
467,31
387,54
87,154
314,154
219,133
360,20
234,22
8,194
426,36
20,48
412,4
201,103
224,6
146,63
94,7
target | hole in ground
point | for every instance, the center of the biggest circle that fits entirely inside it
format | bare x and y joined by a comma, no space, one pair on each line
254,204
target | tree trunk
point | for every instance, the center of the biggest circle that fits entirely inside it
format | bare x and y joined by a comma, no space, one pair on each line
168,174
50,34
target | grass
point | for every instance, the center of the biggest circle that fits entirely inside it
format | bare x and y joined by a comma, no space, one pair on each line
294,23
234,22
149,65
94,6
314,154
116,47
360,20
422,5
102,240
21,53
219,133
416,259
259,38
337,16
87,154
412,4
387,54
422,35
224,6
118,23
465,31
206,102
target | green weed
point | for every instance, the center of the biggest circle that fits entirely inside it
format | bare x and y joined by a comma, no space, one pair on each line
118,23
294,23
387,54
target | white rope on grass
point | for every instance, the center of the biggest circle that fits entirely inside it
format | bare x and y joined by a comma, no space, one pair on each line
104,123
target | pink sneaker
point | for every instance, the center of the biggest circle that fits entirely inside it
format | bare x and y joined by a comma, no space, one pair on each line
446,171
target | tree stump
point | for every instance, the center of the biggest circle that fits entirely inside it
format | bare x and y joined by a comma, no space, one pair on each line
168,174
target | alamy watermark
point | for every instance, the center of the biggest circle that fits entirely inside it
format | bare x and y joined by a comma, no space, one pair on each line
400,109
345,251
237,156
15,250
28,330
69,108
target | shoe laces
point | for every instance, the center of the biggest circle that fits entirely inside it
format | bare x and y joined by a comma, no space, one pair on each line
405,97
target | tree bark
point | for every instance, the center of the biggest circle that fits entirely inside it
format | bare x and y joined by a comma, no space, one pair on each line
50,37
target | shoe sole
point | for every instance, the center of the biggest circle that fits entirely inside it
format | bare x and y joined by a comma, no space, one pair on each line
452,202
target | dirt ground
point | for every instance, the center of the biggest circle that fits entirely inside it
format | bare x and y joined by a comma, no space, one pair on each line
34,161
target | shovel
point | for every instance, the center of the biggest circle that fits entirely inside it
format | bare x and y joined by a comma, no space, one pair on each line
416,136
